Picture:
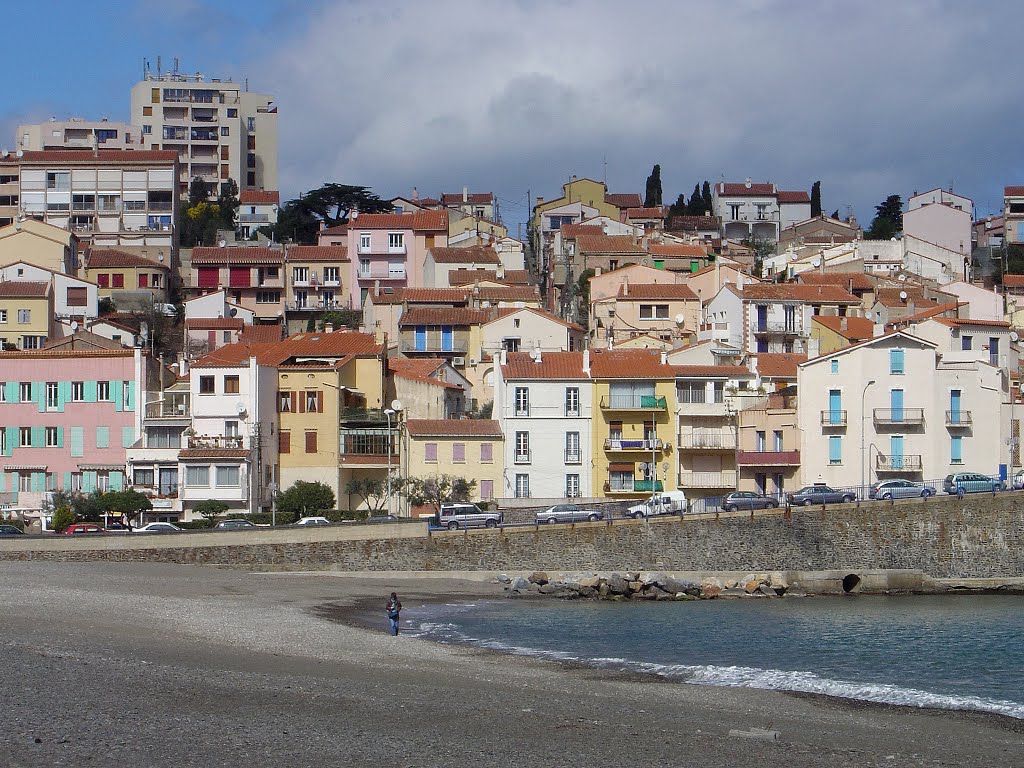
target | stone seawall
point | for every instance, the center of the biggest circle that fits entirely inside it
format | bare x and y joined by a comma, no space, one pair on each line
978,537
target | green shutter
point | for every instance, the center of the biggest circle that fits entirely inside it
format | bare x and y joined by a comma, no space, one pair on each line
60,437
39,389
63,395
38,482
78,441
118,395
12,440
88,482
67,481
3,482
38,437
127,437
12,391
130,405
116,480
90,391
102,437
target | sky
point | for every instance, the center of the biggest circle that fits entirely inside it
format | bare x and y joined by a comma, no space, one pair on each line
514,97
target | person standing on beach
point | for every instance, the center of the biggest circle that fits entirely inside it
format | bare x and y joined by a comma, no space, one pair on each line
393,607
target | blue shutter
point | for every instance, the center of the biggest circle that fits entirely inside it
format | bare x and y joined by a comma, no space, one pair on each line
12,391
12,440
896,404
90,391
118,395
38,482
63,395
421,338
60,437
835,449
38,437
67,481
39,390
130,404
78,441
835,406
956,449
127,437
116,480
88,482
102,437
896,451
3,482
896,361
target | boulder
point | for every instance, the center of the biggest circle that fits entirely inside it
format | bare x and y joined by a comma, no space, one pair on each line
588,592
659,595
646,595
730,584
552,587
591,582
751,585
635,586
733,592
765,590
519,584
684,596
778,582
632,576
504,578
710,590
538,577
617,585
604,590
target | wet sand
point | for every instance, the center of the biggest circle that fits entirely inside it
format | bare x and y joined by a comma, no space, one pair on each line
160,665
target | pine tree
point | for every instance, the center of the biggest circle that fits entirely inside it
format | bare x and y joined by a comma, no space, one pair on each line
653,197
816,199
696,205
708,200
888,221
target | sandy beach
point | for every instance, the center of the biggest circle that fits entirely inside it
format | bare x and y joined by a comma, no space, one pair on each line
161,665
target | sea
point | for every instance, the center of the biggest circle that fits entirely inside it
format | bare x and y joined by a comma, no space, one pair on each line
963,652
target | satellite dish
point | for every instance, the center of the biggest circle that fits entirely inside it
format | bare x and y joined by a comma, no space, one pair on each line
74,329
903,295
680,319
816,263
240,407
222,243
233,312
1014,336
396,405
643,466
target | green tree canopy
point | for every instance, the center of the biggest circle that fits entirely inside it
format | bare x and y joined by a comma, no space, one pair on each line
696,205
436,490
653,197
210,508
816,199
227,204
709,202
305,498
888,221
129,502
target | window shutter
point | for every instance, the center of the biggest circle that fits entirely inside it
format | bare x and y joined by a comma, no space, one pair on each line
78,441
302,402
311,442
294,398
102,437
60,437
486,452
116,481
430,452
127,436
835,449
284,442
459,452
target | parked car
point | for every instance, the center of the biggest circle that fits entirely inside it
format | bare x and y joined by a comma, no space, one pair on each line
820,494
116,527
10,530
667,503
1018,480
899,489
748,500
382,519
76,529
234,525
313,520
568,513
158,528
972,482
465,515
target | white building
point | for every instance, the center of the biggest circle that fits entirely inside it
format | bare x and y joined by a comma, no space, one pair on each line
751,210
942,197
257,208
78,133
73,297
543,402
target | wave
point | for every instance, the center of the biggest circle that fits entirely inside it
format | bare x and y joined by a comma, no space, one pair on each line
736,676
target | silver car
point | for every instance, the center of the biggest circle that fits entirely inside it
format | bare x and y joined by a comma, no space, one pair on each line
568,513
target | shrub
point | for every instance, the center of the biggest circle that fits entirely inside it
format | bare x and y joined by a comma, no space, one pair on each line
305,499
196,524
17,522
210,508
62,518
265,518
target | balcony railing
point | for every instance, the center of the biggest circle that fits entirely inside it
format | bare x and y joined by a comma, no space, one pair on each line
521,457
434,345
633,403
171,407
164,491
216,441
369,442
902,463
769,458
833,418
521,410
573,457
888,416
709,440
724,479
381,274
317,306
253,218
783,328
629,485
617,444
958,419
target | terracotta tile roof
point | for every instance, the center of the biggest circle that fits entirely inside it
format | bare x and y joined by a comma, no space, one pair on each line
730,371
508,277
336,253
85,157
443,316
473,198
553,365
241,255
475,254
89,339
629,364
33,354
624,199
793,196
260,334
836,239
924,314
310,344
417,220
677,249
575,230
645,213
508,293
106,258
1013,191
25,290
648,291
453,428
426,202
851,328
1013,281
692,223
417,366
779,365
726,189
811,294
851,281
340,229
608,244
422,296
966,322
259,197
890,297
214,323
213,453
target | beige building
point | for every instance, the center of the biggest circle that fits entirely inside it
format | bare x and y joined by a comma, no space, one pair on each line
252,276
670,312
126,277
218,129
769,445
78,133
26,314
470,448
44,245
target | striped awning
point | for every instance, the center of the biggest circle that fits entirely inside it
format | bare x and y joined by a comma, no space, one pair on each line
24,468
101,467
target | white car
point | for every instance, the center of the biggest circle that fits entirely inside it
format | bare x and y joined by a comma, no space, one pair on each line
313,520
158,528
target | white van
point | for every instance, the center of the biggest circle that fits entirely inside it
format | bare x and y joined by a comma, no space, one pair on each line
667,503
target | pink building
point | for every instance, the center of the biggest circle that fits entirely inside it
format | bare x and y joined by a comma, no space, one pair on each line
67,418
388,249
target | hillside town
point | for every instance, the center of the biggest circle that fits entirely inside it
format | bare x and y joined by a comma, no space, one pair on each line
169,325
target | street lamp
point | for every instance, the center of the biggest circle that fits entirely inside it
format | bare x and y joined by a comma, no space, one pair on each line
863,418
272,487
396,407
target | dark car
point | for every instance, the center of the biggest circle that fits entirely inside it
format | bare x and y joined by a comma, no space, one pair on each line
234,525
10,530
820,494
116,527
899,489
748,500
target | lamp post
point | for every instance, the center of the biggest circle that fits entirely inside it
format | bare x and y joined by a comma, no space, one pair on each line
272,487
863,418
388,413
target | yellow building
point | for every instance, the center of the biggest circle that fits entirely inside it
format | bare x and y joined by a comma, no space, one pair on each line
589,193
26,312
634,422
117,271
469,448
44,245
833,332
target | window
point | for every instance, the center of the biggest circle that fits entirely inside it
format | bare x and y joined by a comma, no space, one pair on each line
572,448
300,274
330,274
486,489
572,401
231,385
163,437
284,441
510,344
284,401
206,385
313,401
691,391
228,477
835,449
3,396
25,392
777,440
654,311
76,481
734,211
396,241
51,437
572,486
522,446
3,315
32,342
250,178
966,343
24,482
956,449
522,401
896,362
486,453
761,438
59,181
103,391
250,159
52,395
268,297
311,441
225,131
993,350
117,280
364,241
143,477
126,389
835,366
250,124
522,486
231,428
458,453
24,316
430,453
25,437
232,113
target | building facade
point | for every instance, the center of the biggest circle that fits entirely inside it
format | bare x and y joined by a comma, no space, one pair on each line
78,133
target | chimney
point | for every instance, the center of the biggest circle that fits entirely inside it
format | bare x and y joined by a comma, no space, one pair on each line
747,183
813,348
415,195
586,362
625,286
537,355
504,357
664,357
844,324
328,327
539,200
878,330
183,366
739,281
465,194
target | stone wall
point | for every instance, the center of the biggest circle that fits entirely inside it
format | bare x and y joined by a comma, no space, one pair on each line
979,537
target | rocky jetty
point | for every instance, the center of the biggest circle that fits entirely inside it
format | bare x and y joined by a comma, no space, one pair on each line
647,586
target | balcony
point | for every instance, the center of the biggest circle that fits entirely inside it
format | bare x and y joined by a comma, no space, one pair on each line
216,442
456,347
172,406
958,419
775,329
253,218
833,418
521,457
629,485
369,446
724,479
768,458
903,463
647,445
318,306
633,403
707,440
381,274
889,417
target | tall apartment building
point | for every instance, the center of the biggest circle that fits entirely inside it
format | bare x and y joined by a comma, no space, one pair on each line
78,133
219,129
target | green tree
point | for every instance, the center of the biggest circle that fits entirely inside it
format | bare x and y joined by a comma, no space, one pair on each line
436,490
210,508
679,207
696,205
816,199
653,197
342,318
835,214
83,506
294,224
129,502
227,204
106,306
62,518
305,498
707,198
888,221
373,491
